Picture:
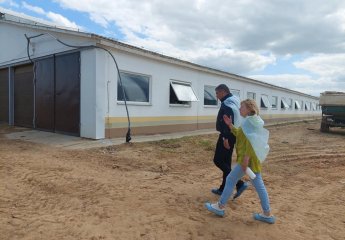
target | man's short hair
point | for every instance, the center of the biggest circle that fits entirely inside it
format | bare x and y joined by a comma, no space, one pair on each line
223,87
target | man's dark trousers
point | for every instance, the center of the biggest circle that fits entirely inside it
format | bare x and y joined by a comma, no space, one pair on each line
222,159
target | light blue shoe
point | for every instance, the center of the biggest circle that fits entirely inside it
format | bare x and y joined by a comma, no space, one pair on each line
263,218
241,190
216,211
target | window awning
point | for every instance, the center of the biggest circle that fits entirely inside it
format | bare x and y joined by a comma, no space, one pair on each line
265,101
297,105
284,104
184,92
210,97
307,106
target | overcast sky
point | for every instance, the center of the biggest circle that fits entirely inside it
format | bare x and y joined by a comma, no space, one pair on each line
294,44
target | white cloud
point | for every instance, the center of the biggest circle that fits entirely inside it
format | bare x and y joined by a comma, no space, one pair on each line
61,20
10,3
327,66
55,18
238,62
236,36
284,28
183,29
338,16
301,83
33,8
222,59
99,20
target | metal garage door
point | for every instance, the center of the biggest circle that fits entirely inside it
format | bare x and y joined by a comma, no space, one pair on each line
23,96
67,93
4,95
44,94
57,96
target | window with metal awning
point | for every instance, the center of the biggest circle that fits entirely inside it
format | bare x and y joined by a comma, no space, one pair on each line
297,105
210,98
181,93
265,103
284,104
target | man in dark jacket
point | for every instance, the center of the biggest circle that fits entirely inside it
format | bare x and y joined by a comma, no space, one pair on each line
226,142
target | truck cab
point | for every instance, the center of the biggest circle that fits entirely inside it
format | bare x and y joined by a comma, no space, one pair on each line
333,110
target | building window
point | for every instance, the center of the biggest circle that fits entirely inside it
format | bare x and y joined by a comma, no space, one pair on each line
284,104
307,106
265,103
181,93
274,102
136,87
210,98
297,105
251,95
235,93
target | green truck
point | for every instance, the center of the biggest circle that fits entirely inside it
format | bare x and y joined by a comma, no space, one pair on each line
333,110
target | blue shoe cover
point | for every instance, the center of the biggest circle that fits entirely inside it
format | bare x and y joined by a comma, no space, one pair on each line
214,210
263,218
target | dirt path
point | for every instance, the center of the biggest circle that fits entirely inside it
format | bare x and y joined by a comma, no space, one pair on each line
156,190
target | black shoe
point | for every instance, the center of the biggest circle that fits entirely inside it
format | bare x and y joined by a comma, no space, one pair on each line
216,191
241,189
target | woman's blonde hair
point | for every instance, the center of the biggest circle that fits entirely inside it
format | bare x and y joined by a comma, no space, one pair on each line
251,106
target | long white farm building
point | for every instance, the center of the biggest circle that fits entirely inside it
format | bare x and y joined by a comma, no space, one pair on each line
49,83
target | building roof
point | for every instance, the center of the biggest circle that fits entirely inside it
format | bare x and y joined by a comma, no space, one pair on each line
30,22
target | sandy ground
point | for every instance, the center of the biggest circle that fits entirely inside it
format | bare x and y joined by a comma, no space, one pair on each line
157,190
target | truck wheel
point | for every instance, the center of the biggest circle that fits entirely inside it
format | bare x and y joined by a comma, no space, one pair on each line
324,127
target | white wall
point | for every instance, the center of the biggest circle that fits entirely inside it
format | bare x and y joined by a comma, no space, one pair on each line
88,124
103,89
13,43
162,73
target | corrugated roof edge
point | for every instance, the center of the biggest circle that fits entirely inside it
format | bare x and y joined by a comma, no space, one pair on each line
39,25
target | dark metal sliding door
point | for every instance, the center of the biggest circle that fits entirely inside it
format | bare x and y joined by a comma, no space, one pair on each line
23,96
44,101
58,94
67,93
4,95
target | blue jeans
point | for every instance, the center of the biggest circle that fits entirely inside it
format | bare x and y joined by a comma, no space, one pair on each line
231,180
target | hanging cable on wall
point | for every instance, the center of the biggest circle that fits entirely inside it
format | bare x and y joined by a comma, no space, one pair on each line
33,80
128,135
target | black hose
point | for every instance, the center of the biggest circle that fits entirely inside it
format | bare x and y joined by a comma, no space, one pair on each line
128,135
27,47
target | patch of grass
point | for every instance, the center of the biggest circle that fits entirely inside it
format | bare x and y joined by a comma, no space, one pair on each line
206,144
169,143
